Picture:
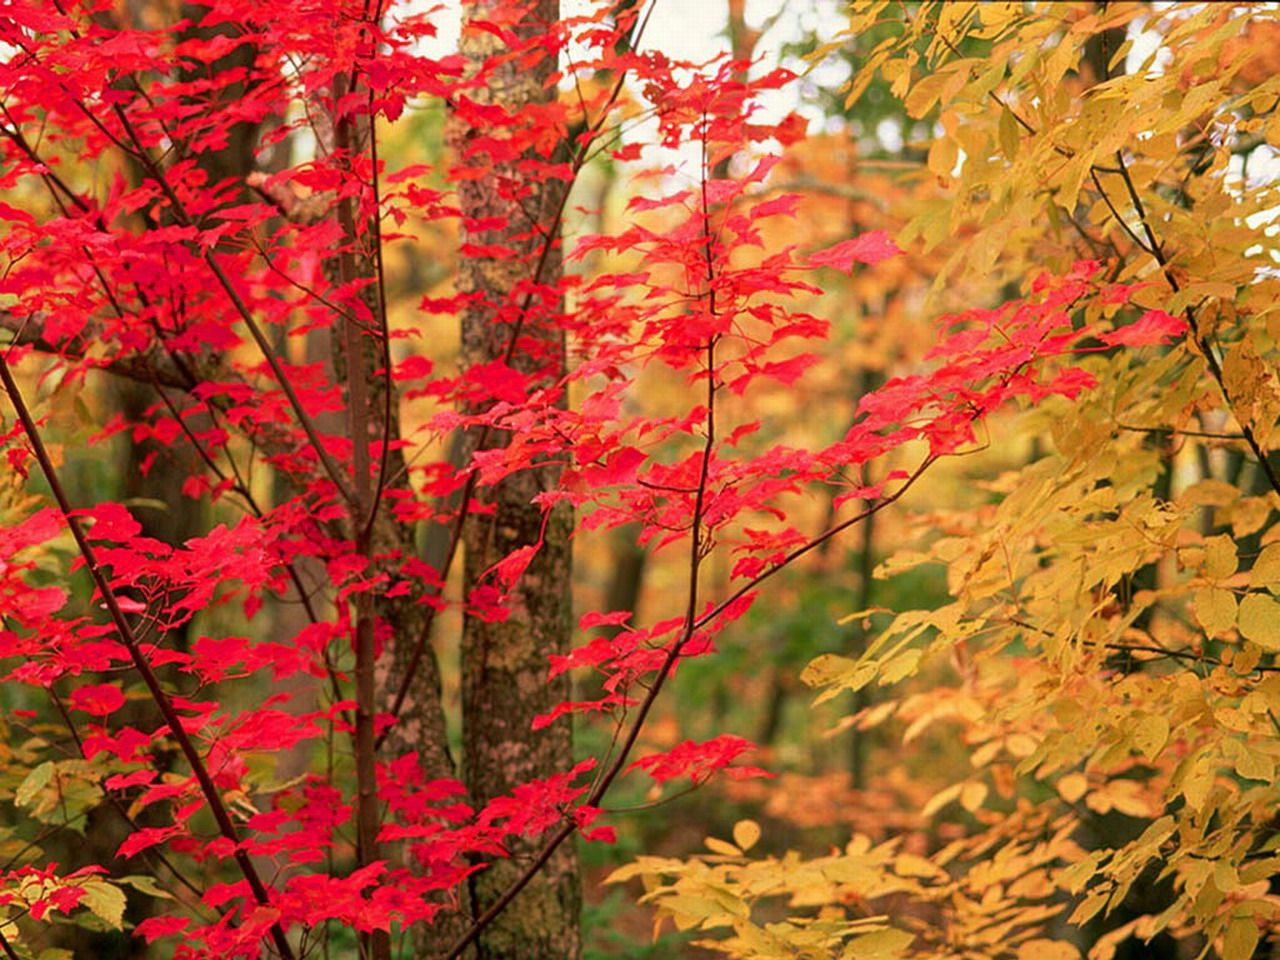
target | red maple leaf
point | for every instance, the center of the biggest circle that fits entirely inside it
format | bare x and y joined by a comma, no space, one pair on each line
865,248
1152,328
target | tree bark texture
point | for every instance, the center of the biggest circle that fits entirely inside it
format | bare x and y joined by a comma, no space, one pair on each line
504,665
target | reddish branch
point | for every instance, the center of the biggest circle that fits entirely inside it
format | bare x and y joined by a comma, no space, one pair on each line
363,508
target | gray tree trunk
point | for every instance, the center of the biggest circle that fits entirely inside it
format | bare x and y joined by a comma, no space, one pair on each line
504,665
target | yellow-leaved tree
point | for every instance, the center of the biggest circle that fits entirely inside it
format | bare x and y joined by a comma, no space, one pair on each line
1107,656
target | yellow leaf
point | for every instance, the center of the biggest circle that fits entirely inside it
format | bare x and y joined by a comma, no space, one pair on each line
1072,787
924,95
1250,763
1243,376
900,667
689,911
1216,610
1220,558
910,865
881,945
1266,569
1075,877
861,614
996,17
1089,907
104,900
826,669
1249,516
972,795
1150,735
1225,877
1209,493
1047,950
940,800
1260,620
1197,782
943,154
720,846
746,833
952,17
1021,744
1246,658
837,673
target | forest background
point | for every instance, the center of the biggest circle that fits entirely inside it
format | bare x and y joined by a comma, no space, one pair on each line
861,438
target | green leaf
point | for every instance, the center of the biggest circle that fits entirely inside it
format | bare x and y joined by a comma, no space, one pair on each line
33,784
1008,133
104,900
147,885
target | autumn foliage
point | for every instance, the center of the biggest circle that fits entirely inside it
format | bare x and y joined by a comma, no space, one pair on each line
258,707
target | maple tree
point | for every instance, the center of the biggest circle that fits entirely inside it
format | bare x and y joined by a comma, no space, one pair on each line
157,230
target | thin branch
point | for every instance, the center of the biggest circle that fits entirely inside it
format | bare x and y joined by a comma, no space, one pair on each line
1178,431
125,632
5,945
362,511
142,368
1106,198
151,852
1211,359
384,321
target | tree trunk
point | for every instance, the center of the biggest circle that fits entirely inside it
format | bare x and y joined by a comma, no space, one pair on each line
504,665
